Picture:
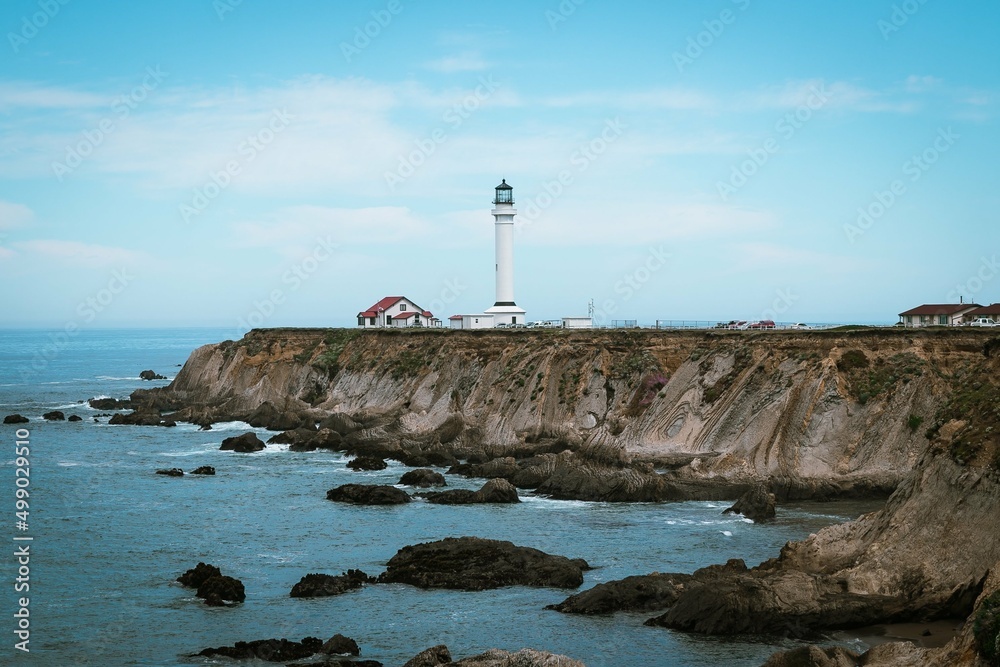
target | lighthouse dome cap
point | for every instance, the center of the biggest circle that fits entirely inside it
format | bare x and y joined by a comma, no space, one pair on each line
504,186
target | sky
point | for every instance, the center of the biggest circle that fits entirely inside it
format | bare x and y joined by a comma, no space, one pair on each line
242,163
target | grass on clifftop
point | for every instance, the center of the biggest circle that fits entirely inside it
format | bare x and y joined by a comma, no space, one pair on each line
335,340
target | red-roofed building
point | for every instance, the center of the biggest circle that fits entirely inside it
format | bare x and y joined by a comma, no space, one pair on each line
937,314
992,311
396,311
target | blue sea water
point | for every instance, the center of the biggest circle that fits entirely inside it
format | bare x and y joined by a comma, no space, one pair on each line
110,536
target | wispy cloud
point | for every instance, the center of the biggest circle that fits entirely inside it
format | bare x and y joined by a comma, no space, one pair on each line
14,215
470,61
87,255
29,95
652,99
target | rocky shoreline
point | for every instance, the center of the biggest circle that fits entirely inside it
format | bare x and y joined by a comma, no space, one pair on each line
642,417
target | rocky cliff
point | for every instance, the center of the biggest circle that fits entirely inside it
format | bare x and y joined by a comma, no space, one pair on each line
812,412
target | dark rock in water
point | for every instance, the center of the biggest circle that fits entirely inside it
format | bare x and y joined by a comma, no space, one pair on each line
814,656
524,658
451,497
638,593
170,472
327,439
205,427
497,491
15,419
110,404
730,599
294,437
246,443
340,424
368,494
421,458
141,418
757,504
272,650
432,657
475,564
221,588
367,463
197,575
325,585
75,418
54,416
269,417
494,491
340,645
203,470
151,375
423,478
333,661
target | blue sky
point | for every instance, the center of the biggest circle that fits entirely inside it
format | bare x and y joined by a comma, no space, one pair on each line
227,163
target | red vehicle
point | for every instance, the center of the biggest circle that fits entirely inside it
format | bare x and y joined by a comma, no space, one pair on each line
762,324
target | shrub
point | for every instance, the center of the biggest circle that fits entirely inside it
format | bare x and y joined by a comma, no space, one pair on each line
986,629
914,422
852,359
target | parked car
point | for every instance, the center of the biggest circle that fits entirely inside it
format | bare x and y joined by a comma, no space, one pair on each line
983,322
501,325
801,326
737,324
762,324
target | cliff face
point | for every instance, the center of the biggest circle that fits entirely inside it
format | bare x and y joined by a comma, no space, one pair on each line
808,407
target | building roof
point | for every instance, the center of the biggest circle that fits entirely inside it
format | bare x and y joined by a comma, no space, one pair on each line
455,317
388,302
410,313
985,311
940,309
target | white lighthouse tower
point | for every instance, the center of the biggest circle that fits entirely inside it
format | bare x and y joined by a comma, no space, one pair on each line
505,311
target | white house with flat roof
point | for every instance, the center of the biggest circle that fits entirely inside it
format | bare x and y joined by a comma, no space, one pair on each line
476,321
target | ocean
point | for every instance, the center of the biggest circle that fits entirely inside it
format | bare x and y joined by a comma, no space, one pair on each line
109,536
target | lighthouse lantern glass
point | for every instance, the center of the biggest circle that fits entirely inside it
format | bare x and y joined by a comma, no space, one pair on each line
505,194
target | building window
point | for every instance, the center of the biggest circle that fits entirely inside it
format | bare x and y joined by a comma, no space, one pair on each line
361,321
388,320
943,319
477,320
371,321
402,307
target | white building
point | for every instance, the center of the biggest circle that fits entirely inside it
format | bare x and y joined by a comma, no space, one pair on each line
480,321
396,311
578,323
505,310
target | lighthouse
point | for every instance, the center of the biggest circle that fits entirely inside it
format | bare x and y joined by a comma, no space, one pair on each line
505,310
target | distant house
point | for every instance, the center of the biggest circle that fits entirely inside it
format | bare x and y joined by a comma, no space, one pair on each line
396,311
480,321
937,314
992,311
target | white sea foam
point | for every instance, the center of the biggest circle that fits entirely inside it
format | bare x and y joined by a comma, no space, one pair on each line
727,533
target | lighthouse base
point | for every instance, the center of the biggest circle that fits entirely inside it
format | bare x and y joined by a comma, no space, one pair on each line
507,314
